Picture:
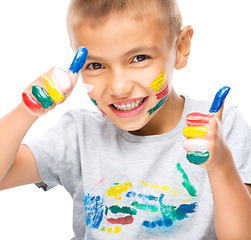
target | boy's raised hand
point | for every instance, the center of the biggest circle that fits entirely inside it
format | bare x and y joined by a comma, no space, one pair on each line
54,87
205,143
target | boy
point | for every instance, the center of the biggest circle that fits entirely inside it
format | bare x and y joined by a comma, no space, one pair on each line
128,175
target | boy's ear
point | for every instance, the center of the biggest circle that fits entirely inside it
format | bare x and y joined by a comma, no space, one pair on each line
183,49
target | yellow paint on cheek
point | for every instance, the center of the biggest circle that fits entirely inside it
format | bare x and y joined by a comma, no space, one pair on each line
118,190
195,132
158,82
52,90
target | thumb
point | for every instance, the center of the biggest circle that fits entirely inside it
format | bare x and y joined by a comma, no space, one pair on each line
61,83
218,103
77,64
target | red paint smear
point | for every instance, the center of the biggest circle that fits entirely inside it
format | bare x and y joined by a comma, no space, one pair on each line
122,220
102,180
163,93
31,102
197,118
102,112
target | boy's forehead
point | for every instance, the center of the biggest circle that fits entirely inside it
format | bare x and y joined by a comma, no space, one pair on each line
119,29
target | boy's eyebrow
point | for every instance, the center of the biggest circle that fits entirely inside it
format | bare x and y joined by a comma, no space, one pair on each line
129,53
140,49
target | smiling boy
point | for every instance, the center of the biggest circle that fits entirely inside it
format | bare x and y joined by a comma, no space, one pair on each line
125,167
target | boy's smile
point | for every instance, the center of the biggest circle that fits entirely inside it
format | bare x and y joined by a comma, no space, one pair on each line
125,57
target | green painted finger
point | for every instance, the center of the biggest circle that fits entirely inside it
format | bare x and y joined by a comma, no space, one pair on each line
197,158
42,97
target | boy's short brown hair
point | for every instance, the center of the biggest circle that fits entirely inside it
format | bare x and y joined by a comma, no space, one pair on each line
96,12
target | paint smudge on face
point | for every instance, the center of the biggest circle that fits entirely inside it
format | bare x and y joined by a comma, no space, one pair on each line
195,132
158,82
95,103
31,102
94,210
186,183
118,190
160,103
88,87
163,93
197,158
102,112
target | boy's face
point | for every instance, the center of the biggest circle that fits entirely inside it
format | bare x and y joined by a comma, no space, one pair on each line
129,67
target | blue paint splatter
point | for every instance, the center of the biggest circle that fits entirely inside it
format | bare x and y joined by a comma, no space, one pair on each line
94,210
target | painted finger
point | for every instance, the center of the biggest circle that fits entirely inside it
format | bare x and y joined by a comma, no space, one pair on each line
195,132
31,102
77,63
42,97
196,145
219,99
60,83
198,119
197,158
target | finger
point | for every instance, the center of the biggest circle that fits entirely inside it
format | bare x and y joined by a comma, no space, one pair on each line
218,102
195,132
198,119
78,63
196,145
197,158
60,84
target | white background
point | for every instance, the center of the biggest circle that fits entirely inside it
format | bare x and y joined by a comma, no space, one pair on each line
34,39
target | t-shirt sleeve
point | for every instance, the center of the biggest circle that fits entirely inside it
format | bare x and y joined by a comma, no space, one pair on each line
57,155
238,136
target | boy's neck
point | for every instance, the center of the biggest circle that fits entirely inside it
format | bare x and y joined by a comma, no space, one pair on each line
166,119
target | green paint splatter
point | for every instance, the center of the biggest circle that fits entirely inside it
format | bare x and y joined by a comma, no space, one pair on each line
197,158
145,207
116,209
94,102
43,98
187,184
160,103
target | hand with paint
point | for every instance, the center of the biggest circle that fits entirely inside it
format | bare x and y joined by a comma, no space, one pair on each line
54,87
205,143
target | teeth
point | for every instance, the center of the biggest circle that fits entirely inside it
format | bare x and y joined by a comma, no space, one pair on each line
128,106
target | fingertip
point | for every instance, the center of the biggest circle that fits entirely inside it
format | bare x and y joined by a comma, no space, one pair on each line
219,99
79,60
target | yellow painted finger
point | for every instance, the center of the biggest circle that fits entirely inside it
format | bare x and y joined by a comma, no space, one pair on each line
195,132
52,90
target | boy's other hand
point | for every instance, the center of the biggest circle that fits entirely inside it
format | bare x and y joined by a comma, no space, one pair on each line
53,87
206,145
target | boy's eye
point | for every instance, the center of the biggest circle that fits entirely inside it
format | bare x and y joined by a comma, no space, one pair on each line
140,58
95,66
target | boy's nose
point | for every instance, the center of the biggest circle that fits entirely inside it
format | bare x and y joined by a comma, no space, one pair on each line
120,85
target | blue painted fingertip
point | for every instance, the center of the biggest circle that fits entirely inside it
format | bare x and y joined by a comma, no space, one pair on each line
218,99
79,60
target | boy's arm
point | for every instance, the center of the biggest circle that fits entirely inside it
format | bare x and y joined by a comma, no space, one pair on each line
18,165
232,200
